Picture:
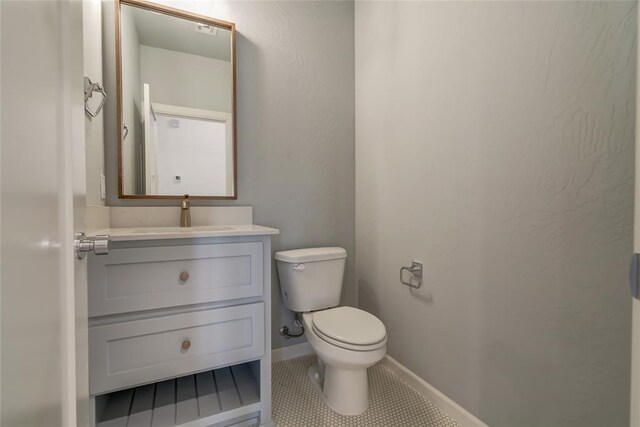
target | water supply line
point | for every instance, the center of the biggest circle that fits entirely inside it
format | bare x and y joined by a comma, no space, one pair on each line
284,331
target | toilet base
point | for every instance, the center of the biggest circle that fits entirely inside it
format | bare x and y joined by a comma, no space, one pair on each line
345,391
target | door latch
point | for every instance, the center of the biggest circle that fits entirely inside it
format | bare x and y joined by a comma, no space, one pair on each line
634,275
99,244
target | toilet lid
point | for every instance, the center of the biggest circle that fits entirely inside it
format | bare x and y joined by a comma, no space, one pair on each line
349,325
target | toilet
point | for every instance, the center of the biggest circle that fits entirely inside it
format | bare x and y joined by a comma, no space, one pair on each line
346,340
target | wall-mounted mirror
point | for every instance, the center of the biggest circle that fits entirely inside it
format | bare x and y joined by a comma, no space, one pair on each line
176,103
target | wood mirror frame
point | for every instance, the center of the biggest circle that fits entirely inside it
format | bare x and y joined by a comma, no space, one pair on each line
165,10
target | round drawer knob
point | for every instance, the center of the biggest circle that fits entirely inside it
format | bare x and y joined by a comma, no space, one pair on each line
186,344
184,276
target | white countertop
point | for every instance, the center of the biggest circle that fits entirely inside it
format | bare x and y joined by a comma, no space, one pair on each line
158,233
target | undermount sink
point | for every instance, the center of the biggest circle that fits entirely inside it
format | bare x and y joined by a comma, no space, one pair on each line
156,230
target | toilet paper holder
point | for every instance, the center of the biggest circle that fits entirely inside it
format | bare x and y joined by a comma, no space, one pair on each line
415,272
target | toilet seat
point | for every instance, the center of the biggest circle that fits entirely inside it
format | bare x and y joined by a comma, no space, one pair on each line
349,328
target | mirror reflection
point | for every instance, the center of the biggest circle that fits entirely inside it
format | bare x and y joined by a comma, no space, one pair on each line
176,106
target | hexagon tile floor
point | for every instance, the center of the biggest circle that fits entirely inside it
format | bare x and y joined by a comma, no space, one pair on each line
392,402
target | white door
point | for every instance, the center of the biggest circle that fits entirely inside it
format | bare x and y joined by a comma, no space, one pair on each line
42,137
150,138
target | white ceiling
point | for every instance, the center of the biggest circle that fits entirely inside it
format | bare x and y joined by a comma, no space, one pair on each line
168,32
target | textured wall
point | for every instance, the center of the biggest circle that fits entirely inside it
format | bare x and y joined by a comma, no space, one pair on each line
94,127
494,141
295,123
131,104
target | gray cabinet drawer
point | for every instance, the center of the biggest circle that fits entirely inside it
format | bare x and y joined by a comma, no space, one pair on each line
147,278
131,353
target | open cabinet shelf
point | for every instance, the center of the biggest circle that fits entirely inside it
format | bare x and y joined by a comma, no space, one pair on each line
221,397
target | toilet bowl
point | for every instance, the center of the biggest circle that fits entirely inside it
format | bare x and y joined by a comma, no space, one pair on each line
346,340
344,354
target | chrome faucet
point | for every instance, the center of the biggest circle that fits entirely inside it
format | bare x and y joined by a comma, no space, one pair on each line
185,212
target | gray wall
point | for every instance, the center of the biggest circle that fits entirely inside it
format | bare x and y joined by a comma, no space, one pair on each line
94,127
204,82
131,107
295,123
494,141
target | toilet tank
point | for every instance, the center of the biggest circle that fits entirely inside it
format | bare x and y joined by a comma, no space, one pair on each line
311,279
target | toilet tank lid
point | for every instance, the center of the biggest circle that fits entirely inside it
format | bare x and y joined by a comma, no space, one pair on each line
311,254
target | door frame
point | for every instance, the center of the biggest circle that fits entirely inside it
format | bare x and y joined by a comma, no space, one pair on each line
634,420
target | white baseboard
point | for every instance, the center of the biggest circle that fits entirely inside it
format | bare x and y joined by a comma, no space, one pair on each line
451,408
290,352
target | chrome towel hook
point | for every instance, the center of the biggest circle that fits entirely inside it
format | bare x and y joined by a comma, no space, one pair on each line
89,89
415,272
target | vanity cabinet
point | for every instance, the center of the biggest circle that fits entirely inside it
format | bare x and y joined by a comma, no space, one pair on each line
179,330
